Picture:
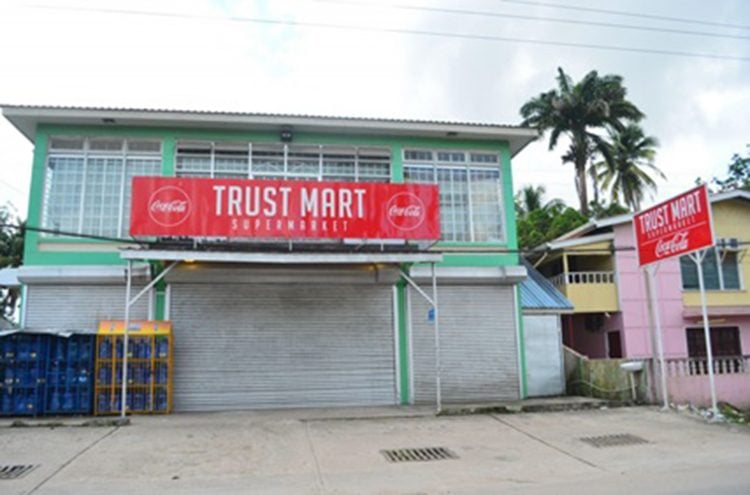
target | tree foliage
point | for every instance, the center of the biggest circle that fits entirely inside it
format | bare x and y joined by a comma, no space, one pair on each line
602,210
627,174
738,174
11,255
578,111
540,222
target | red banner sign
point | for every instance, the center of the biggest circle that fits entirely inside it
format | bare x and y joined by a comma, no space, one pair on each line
283,209
675,227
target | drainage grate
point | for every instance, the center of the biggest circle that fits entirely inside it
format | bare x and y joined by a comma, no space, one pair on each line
418,455
14,472
614,440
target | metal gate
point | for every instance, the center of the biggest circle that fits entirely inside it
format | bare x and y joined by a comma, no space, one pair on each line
479,354
71,306
240,346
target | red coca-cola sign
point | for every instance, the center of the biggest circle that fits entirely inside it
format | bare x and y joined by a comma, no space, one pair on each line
279,209
169,206
406,211
675,227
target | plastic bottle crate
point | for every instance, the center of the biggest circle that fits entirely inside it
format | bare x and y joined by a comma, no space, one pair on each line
69,387
148,379
22,374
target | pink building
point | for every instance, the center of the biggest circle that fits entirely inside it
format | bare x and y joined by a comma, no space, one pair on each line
596,267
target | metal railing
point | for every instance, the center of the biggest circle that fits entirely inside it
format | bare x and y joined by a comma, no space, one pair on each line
583,278
723,365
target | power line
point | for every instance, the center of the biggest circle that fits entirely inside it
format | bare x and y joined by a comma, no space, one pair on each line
612,247
418,32
9,185
627,14
479,13
64,233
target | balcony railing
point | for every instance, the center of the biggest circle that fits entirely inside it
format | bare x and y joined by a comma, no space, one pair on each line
583,278
723,365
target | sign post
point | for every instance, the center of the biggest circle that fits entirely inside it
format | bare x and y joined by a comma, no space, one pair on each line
653,297
698,260
679,226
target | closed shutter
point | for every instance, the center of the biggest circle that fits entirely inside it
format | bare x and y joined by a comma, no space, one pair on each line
74,307
479,354
544,359
240,346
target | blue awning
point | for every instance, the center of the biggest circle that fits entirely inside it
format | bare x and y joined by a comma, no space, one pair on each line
538,293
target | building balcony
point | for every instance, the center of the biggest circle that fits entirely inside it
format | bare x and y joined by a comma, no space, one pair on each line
590,292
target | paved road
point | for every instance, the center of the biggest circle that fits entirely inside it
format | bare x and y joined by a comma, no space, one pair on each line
305,452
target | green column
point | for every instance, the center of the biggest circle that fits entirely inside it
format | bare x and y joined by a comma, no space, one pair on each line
397,164
167,156
521,344
403,342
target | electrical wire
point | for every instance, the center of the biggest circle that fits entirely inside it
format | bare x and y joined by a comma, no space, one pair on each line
417,32
63,233
11,186
479,13
627,14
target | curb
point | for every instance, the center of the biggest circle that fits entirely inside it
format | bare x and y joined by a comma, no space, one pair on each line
56,423
529,408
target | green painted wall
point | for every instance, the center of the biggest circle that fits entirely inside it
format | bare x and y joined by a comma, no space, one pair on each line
36,194
169,137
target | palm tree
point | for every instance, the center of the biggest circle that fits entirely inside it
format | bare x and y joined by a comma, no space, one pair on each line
578,110
530,198
627,173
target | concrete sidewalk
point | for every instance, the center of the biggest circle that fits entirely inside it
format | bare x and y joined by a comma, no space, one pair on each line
303,452
542,404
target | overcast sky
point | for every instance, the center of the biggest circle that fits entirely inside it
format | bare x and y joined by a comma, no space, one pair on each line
200,59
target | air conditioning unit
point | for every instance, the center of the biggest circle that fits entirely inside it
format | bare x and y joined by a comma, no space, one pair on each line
729,243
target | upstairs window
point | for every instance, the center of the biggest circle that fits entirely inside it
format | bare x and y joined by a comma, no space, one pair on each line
725,342
87,186
720,268
283,161
471,208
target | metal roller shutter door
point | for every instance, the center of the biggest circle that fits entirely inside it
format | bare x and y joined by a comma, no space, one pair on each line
240,346
479,353
544,355
79,306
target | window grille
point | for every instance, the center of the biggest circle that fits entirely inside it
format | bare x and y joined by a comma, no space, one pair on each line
283,161
88,182
720,267
471,207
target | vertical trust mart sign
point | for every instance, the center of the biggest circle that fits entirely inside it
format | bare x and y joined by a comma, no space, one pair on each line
675,227
166,206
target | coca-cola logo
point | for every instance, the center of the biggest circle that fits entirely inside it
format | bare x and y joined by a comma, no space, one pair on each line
169,206
405,211
677,244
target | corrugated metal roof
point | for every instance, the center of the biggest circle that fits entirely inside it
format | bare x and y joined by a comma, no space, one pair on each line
27,118
261,114
538,293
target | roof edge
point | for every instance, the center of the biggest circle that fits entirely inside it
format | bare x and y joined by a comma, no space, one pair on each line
474,129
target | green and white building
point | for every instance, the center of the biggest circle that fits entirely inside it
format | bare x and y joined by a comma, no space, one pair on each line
292,325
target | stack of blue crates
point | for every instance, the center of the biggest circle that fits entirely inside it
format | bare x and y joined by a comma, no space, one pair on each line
22,369
46,374
70,362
